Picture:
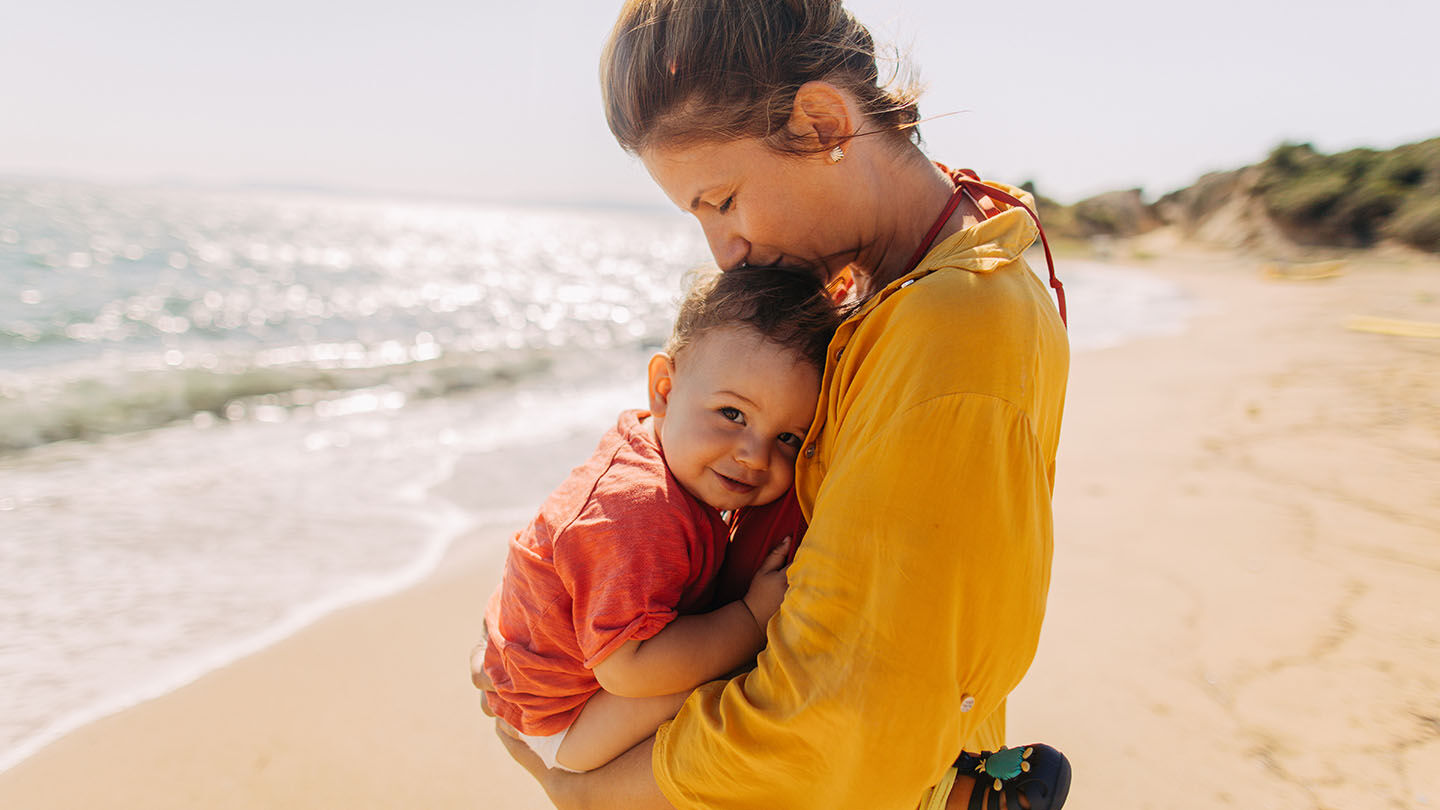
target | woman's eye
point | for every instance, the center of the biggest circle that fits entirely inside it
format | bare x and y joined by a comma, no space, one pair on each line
733,414
791,440
729,203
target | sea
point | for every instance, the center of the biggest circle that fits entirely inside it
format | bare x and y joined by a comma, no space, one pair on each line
227,413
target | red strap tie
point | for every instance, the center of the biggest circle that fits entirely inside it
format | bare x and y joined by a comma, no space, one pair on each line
968,184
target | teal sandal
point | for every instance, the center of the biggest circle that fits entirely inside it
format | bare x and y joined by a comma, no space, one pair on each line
1038,772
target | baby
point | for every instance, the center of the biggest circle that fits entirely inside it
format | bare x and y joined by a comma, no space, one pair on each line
606,617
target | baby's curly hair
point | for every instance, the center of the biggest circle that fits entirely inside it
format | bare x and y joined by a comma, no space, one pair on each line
788,307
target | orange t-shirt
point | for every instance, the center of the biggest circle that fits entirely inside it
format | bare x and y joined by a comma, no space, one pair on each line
616,553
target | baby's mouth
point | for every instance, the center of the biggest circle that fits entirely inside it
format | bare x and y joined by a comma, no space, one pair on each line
734,485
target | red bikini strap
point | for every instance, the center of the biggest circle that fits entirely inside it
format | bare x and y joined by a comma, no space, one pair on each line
991,191
967,184
955,198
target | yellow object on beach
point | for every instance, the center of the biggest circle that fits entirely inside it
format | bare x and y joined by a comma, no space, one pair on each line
1312,271
1392,326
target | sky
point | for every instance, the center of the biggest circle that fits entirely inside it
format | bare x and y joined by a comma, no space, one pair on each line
493,100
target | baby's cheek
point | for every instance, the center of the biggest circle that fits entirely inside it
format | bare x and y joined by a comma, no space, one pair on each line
784,474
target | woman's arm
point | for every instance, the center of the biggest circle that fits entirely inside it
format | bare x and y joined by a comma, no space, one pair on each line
694,649
625,784
921,583
914,608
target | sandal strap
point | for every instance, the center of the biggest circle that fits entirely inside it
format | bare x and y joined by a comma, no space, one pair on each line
1044,786
978,794
1012,796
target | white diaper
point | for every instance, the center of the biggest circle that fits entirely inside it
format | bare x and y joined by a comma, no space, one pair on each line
548,747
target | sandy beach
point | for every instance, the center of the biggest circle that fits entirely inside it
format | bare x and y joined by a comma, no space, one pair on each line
1243,609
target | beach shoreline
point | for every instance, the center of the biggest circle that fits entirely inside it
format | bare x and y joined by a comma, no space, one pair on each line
1246,526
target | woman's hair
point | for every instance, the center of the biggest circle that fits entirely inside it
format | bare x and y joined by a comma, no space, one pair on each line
787,307
684,71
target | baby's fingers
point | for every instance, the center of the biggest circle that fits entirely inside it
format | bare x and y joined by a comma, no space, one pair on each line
775,560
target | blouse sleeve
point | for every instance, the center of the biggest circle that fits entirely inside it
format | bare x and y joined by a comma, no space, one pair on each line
914,608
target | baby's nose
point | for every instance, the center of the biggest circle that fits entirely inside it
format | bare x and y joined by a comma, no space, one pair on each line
751,453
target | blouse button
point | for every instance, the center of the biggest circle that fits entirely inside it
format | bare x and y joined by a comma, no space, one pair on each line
810,450
967,702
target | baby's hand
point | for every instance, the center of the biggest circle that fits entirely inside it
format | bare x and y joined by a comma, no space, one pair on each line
768,586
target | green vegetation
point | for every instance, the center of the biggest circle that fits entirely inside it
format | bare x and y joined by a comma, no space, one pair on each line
1356,197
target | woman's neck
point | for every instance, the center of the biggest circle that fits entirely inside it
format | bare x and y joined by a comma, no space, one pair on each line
909,193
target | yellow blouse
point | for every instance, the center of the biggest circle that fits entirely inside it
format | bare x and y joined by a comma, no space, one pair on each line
915,601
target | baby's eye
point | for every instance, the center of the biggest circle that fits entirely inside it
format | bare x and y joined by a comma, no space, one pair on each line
733,414
791,440
728,204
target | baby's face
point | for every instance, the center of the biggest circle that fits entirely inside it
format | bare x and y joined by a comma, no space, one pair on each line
733,415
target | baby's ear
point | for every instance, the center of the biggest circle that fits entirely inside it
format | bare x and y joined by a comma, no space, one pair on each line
662,374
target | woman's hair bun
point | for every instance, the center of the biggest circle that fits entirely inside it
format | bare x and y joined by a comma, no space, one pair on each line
686,70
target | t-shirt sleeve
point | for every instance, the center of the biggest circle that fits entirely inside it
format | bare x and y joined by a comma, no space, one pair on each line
921,580
625,562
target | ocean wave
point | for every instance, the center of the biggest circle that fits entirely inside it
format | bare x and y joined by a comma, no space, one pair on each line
90,402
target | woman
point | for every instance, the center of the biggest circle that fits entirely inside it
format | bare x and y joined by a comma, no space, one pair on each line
916,599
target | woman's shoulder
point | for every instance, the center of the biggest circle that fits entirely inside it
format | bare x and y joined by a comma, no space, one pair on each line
949,308
980,272
956,331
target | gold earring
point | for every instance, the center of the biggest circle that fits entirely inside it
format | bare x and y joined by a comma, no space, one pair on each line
837,154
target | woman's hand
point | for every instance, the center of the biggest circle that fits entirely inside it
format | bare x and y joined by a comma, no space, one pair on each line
625,784
553,782
508,734
767,587
478,676
528,759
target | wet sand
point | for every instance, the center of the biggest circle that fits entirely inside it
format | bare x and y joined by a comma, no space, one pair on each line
1243,612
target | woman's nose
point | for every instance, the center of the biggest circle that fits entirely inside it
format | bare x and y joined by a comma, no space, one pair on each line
728,248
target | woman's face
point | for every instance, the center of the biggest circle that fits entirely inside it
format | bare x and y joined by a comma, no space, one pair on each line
758,206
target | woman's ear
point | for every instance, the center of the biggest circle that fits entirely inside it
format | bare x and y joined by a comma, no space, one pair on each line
823,113
662,373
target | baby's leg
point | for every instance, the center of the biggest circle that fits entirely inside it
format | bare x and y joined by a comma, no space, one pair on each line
610,725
